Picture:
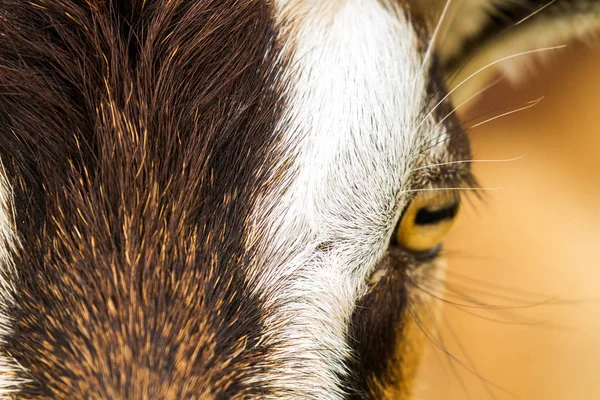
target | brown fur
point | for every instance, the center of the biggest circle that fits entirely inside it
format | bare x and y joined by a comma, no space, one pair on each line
135,135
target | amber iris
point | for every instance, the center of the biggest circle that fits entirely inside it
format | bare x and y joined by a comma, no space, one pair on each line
427,220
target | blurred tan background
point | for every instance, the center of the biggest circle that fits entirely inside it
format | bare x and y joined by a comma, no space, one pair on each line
529,253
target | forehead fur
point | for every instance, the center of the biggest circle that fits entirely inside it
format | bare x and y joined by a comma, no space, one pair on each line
200,189
134,136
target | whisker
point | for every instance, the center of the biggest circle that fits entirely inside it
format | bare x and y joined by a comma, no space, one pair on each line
530,105
462,363
504,160
479,92
460,289
484,283
494,291
522,302
487,66
434,37
452,188
467,356
516,319
491,294
541,324
477,304
442,136
542,8
497,320
460,380
472,313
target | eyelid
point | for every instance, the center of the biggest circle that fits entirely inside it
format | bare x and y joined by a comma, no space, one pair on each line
452,174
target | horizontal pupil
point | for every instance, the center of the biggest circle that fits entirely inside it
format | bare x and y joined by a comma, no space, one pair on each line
426,217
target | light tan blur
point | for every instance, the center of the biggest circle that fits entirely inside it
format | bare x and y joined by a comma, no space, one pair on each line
539,232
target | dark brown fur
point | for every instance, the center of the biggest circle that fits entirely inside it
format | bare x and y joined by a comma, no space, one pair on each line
376,330
135,135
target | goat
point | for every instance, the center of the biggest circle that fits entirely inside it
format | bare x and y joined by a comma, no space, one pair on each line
227,199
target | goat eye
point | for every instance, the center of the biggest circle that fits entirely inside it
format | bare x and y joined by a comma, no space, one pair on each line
427,220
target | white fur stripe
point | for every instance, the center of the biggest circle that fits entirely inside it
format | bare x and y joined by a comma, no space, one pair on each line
356,90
